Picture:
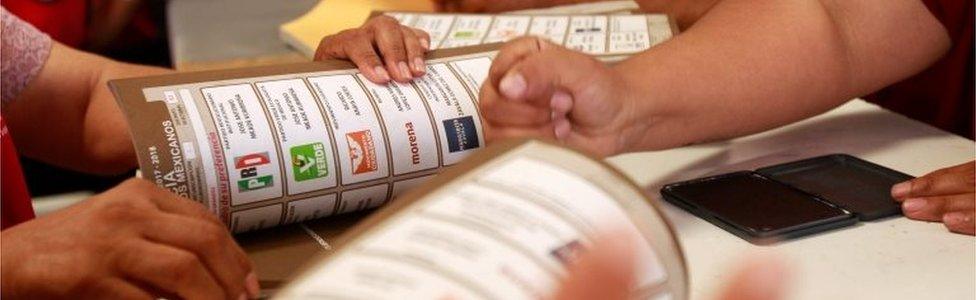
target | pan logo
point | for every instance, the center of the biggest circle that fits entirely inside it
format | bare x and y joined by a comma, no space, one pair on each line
248,165
461,134
309,161
362,151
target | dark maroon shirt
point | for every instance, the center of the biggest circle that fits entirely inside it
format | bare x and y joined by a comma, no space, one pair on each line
942,95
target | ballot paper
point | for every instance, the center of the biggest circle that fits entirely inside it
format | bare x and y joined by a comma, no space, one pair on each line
505,224
608,36
268,146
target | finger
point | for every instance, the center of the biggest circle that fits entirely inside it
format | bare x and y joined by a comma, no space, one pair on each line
164,200
169,269
423,36
599,146
173,204
535,79
561,102
116,288
508,113
360,51
763,279
961,222
942,182
327,49
516,114
512,52
932,208
390,41
498,133
212,244
415,52
607,271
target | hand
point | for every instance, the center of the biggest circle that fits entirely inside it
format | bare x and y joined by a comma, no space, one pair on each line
947,195
608,272
133,241
401,49
539,89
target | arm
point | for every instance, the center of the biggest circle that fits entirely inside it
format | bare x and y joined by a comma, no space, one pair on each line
67,116
791,59
744,67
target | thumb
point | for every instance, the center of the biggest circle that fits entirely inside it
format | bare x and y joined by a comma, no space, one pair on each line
757,280
607,271
536,78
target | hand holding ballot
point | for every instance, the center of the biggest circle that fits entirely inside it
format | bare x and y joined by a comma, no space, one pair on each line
401,49
134,241
947,195
539,89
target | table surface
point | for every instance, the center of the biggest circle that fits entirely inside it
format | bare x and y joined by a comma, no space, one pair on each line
894,258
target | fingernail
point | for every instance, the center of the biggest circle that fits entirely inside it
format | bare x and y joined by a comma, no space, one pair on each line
252,286
242,297
425,43
404,70
914,204
901,189
561,102
381,73
561,128
419,65
512,86
954,218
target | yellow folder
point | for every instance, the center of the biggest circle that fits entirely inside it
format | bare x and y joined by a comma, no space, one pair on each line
332,16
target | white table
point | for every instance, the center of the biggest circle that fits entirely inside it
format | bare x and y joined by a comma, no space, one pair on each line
895,258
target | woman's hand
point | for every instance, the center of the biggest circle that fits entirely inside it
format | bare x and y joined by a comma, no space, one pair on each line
133,241
382,41
947,195
539,89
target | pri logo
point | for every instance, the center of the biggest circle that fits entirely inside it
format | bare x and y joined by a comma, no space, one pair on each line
309,161
362,151
248,166
461,134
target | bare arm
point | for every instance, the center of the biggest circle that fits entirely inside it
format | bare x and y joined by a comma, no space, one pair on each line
743,67
748,66
68,117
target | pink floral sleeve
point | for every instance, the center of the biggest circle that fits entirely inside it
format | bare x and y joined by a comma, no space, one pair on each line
22,54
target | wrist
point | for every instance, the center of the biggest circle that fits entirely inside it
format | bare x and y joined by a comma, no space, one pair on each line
637,114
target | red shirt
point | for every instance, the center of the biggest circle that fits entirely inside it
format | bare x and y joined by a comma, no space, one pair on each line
16,204
66,21
942,95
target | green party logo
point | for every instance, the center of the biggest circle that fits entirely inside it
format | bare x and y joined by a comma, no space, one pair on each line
309,162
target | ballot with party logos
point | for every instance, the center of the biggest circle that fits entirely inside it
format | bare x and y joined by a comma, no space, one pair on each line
269,146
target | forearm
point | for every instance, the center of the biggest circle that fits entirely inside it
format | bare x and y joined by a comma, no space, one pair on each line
748,66
67,116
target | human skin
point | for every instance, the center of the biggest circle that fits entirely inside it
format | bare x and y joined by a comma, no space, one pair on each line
743,67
